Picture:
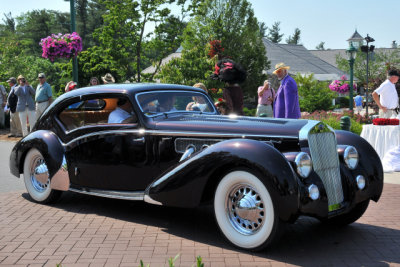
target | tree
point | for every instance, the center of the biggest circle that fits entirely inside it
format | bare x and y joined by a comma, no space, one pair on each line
34,25
295,38
274,33
232,22
263,29
9,23
124,41
321,46
378,66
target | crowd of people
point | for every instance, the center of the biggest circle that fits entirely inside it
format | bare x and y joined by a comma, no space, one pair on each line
26,104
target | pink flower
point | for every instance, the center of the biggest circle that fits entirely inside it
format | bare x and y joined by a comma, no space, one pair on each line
59,45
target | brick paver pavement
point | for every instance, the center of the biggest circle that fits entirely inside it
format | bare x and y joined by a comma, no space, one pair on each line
89,231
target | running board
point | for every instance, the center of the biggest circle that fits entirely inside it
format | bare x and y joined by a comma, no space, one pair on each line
134,195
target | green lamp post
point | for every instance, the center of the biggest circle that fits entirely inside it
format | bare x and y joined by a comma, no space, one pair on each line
73,29
351,54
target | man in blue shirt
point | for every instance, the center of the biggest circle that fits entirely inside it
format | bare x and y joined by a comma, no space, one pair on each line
358,103
43,96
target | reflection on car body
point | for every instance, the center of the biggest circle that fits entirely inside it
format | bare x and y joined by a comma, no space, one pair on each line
257,173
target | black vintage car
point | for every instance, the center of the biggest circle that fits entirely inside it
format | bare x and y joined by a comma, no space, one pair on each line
167,145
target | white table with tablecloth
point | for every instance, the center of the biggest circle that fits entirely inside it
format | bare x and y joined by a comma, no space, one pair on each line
385,139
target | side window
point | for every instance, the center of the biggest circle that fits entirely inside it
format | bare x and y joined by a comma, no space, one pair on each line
96,111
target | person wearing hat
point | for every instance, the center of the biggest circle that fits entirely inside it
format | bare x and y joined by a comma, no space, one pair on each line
43,96
108,78
286,104
25,104
385,96
12,100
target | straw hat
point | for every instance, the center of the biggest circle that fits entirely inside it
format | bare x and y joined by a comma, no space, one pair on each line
20,77
108,78
280,66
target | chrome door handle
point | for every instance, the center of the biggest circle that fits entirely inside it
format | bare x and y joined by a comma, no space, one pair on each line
141,140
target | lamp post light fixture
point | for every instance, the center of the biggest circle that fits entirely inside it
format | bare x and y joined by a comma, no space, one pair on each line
367,49
351,54
73,29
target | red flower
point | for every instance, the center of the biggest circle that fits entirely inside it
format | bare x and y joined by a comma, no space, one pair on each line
381,121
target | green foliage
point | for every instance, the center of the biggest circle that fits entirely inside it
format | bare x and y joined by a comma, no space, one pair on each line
199,262
171,262
342,101
333,120
274,33
233,23
123,38
34,25
295,38
313,94
378,66
249,112
320,46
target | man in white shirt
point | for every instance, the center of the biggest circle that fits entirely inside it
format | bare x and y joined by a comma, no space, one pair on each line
386,96
123,113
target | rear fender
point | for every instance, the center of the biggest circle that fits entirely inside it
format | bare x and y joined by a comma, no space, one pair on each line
48,145
184,184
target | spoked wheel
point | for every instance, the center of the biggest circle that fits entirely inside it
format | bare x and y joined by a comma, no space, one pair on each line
35,167
244,211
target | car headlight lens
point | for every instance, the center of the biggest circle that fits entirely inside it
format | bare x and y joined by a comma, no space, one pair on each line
303,164
350,156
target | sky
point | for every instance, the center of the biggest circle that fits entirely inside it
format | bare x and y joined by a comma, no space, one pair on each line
329,21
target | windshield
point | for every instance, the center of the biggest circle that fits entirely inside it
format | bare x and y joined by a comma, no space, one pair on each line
153,103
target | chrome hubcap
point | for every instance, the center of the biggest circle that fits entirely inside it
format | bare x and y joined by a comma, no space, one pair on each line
40,172
245,208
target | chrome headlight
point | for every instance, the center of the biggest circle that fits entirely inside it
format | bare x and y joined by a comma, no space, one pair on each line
303,164
350,156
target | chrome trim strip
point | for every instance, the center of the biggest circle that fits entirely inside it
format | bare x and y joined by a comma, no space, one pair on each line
139,195
149,200
172,172
189,151
303,133
176,133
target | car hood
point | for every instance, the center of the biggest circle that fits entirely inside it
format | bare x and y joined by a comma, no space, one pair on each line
219,124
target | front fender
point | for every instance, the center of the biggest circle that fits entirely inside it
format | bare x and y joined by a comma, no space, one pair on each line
47,143
184,184
369,163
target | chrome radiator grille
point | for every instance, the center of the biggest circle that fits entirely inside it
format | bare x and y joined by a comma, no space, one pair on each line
326,164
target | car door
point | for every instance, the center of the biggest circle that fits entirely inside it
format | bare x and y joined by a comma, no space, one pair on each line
102,155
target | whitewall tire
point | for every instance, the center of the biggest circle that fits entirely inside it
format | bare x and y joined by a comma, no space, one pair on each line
244,211
39,192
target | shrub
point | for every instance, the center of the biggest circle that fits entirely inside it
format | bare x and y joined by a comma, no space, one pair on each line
333,120
313,95
249,112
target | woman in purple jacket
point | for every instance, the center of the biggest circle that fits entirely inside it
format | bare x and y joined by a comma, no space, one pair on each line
286,104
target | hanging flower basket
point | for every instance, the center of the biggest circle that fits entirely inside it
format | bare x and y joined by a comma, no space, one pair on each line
341,86
58,45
